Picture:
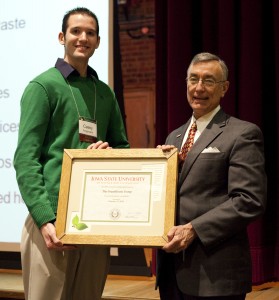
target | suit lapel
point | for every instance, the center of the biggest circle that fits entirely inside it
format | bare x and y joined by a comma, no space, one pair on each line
213,129
179,137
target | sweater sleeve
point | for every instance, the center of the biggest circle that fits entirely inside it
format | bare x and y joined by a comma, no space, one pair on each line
110,122
116,134
34,119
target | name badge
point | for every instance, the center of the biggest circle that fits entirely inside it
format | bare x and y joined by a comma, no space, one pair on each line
87,131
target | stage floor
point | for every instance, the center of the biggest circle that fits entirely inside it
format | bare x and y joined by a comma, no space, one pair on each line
124,288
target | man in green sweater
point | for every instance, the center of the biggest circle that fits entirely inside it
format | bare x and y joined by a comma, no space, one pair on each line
56,106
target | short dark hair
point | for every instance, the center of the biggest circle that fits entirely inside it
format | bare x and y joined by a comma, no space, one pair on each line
78,10
206,56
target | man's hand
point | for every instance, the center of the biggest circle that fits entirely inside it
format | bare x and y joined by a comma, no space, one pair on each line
48,232
165,148
99,145
179,238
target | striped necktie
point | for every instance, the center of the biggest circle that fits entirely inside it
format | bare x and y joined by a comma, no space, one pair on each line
189,142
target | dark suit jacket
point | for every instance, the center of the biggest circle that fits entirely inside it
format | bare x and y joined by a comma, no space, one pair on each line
220,193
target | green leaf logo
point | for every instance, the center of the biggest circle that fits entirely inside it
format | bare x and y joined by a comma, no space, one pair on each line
77,225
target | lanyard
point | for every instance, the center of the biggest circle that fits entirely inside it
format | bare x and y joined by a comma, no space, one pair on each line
95,107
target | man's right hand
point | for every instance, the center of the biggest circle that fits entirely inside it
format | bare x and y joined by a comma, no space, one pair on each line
165,147
48,232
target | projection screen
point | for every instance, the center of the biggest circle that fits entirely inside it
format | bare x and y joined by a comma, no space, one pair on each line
29,45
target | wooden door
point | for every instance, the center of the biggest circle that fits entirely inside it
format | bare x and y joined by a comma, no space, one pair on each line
140,118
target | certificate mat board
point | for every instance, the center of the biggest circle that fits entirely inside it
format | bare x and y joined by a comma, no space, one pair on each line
117,197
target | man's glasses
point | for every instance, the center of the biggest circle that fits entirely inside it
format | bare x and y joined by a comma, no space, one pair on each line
208,82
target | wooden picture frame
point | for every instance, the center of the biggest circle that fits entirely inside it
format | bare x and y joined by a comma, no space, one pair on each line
133,202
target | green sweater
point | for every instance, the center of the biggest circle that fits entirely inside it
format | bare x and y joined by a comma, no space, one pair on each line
49,124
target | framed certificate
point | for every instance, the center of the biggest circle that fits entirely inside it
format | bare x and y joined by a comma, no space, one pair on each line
117,197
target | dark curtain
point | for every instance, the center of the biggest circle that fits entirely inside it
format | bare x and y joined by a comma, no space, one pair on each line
245,33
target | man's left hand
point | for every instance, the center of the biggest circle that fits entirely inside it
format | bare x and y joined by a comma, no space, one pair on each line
99,145
179,238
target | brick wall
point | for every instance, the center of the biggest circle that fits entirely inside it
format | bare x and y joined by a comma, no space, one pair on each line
137,49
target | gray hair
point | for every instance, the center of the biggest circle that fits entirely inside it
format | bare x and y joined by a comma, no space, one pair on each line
206,56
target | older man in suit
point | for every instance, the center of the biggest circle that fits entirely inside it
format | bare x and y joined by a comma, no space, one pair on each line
221,189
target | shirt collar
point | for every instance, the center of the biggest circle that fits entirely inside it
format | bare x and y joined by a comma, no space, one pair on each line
203,121
66,69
